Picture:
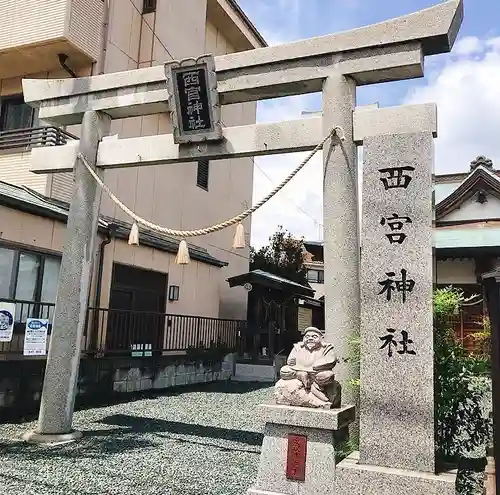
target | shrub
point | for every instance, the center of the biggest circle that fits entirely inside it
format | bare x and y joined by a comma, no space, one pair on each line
460,422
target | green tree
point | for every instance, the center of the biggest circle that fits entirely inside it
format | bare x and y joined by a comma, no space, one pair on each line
283,256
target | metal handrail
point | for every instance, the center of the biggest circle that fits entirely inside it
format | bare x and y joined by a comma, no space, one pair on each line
115,331
33,137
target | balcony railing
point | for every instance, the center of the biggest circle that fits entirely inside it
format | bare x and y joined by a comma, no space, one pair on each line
34,136
110,332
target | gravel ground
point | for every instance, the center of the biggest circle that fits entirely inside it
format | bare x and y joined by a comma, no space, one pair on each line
203,441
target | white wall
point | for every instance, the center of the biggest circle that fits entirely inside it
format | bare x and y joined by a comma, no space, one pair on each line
471,209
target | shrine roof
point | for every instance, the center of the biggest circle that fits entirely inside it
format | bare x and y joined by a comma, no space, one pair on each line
24,199
260,277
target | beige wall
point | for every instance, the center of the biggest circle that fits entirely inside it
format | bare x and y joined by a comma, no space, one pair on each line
167,194
15,169
31,230
199,292
198,295
48,23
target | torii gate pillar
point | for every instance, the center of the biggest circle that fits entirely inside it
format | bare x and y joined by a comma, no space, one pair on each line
340,219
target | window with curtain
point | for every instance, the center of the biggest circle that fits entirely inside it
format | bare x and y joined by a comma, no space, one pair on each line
30,278
315,276
6,268
148,6
15,114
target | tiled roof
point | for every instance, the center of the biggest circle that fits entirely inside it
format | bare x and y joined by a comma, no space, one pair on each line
24,199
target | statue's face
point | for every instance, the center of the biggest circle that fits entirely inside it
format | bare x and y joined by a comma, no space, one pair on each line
312,340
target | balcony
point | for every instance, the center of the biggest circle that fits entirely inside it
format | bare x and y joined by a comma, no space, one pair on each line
15,156
32,36
33,136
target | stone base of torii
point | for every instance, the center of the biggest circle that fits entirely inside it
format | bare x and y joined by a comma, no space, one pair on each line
385,297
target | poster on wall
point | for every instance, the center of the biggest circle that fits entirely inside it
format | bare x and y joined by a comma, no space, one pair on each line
7,313
35,338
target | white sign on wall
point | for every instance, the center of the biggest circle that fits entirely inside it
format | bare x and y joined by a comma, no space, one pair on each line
35,338
7,313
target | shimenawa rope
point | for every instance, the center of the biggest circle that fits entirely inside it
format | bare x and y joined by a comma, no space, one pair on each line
220,226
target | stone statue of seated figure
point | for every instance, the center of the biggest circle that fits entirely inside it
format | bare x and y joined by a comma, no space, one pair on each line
307,379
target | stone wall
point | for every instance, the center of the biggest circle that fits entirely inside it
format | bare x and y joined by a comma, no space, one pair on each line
100,379
134,379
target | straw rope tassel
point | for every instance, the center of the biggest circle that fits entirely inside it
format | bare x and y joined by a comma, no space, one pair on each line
239,238
133,238
182,253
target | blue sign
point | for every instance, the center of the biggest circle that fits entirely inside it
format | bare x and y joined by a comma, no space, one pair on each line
38,324
35,337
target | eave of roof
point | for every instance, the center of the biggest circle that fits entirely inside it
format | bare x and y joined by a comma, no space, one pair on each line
265,278
249,24
23,199
479,178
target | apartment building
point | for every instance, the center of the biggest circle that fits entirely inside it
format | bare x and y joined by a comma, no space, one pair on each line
72,38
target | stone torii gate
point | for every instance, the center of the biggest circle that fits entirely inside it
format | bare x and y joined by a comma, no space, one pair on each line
334,64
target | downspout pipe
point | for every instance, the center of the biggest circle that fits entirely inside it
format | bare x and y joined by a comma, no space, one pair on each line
100,65
98,288
62,62
100,267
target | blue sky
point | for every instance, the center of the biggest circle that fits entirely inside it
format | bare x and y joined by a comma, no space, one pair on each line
464,84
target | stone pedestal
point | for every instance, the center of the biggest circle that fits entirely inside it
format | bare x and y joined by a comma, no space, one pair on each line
354,478
310,460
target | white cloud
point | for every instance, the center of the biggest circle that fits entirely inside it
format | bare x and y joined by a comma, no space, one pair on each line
467,46
467,94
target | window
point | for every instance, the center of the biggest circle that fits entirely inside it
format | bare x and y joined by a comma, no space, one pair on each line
315,276
148,6
15,114
202,175
6,268
29,277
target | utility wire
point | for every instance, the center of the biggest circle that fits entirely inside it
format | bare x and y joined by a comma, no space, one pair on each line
152,30
288,199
